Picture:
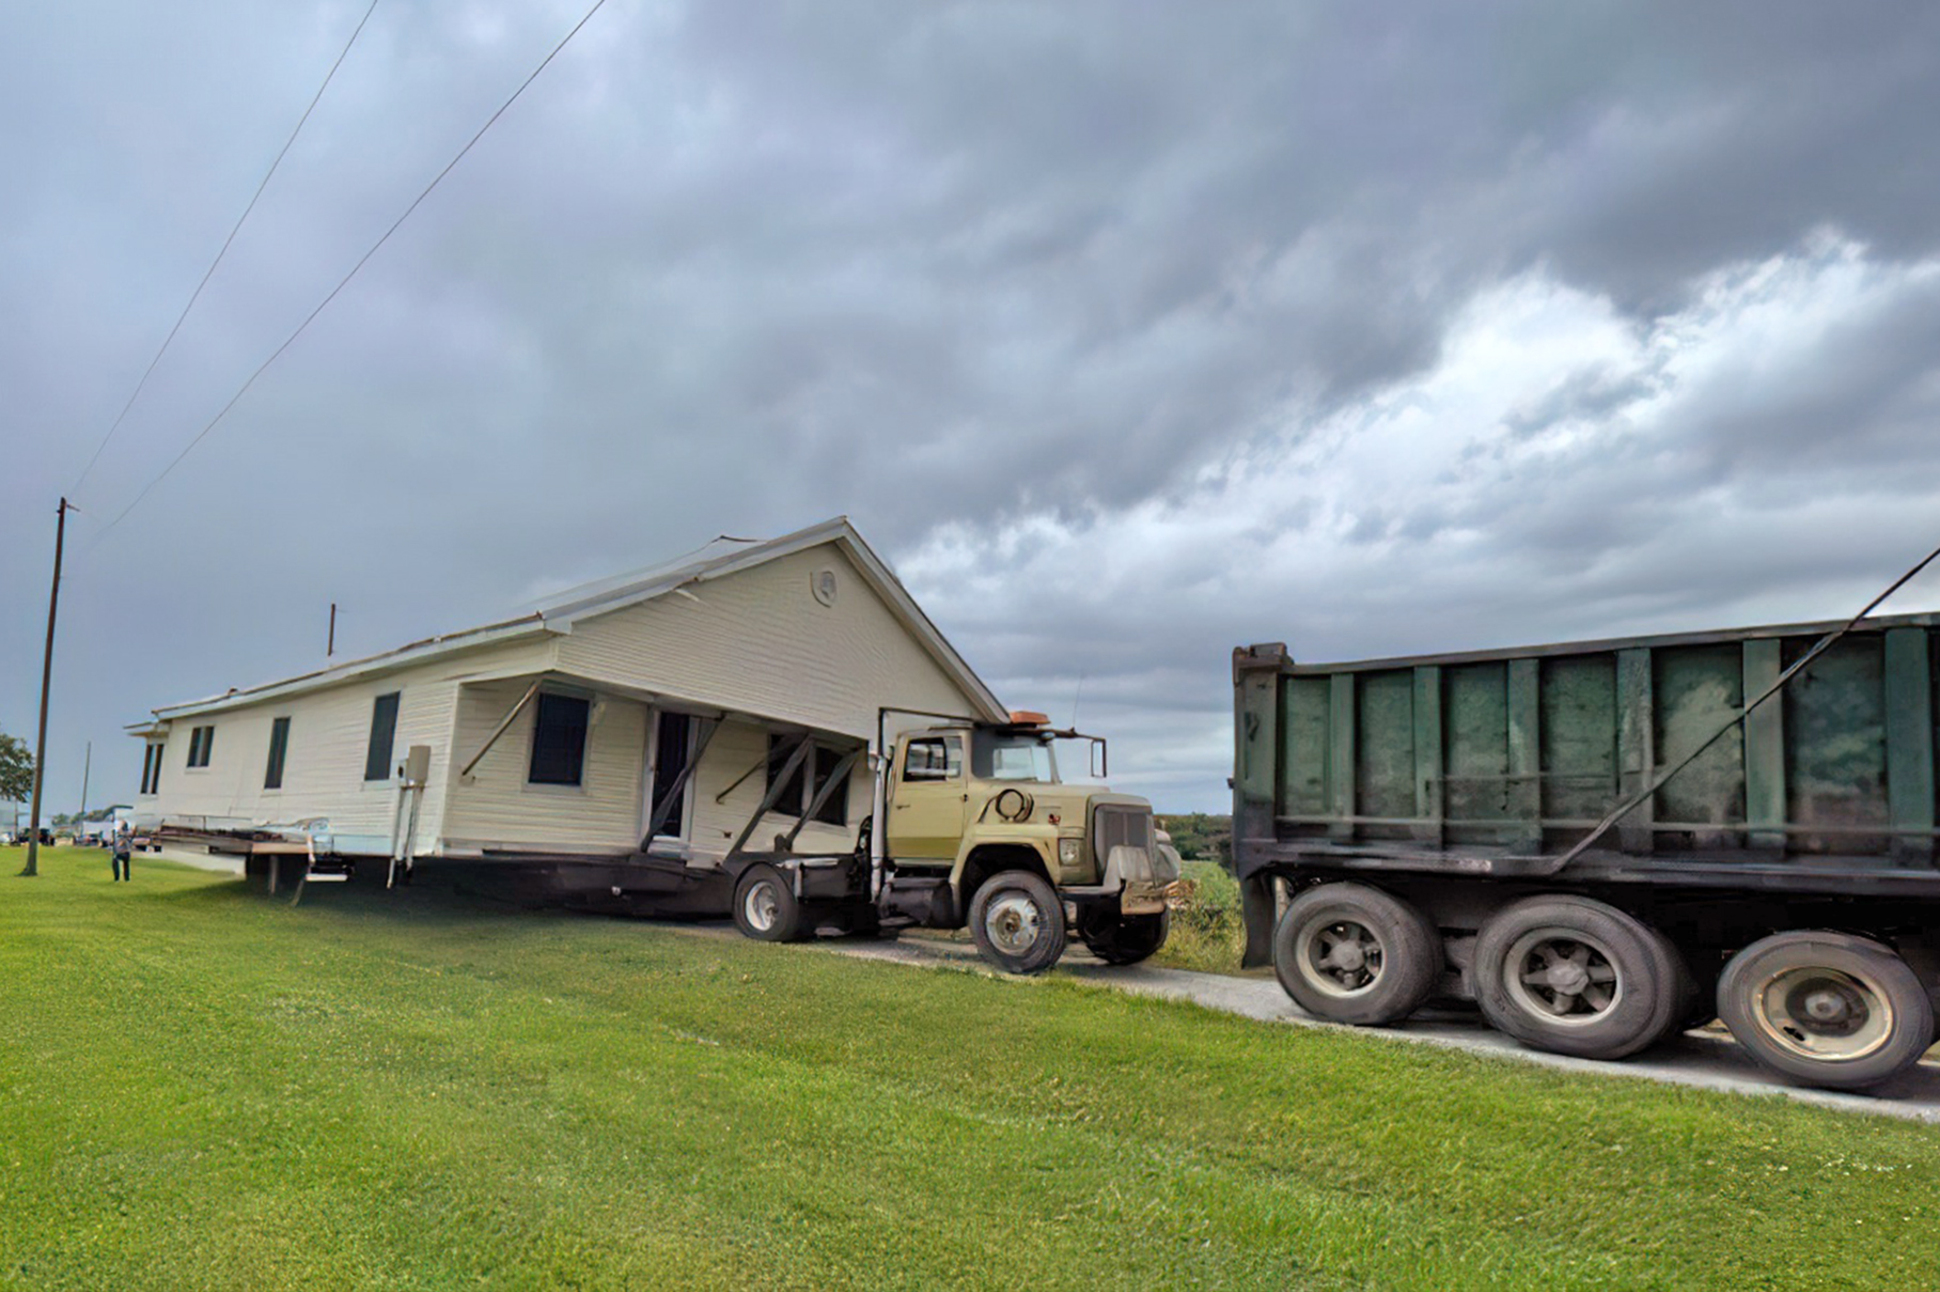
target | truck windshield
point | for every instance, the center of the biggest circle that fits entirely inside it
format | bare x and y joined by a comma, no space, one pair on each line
998,757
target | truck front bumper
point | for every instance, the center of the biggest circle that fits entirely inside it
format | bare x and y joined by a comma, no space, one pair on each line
1147,877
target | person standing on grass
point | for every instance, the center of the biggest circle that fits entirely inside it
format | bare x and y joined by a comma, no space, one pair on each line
124,846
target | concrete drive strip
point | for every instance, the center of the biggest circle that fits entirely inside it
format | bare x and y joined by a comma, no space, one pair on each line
1702,1059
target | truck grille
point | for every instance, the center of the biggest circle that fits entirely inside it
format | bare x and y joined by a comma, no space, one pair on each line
1112,827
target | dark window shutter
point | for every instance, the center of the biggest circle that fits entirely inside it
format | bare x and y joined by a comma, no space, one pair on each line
279,744
559,740
383,734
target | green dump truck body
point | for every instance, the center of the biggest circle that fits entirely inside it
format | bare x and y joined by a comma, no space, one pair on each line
1435,826
1498,762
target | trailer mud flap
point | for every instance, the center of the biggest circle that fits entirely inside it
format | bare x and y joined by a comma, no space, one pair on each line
1259,902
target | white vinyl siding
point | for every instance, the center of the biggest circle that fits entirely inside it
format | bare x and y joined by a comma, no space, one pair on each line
323,773
759,642
497,807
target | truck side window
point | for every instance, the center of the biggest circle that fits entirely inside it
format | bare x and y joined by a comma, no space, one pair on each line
933,758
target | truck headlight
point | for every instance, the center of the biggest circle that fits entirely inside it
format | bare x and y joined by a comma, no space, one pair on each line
1070,851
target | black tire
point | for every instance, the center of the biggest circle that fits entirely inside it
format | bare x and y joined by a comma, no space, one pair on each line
1353,954
1017,922
1705,965
1688,996
1574,976
1827,1009
765,908
1124,939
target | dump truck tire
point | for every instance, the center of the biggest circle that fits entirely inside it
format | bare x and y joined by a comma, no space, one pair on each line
1825,1008
1353,954
1017,922
1574,976
765,908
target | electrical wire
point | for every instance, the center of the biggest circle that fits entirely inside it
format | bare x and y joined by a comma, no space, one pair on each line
210,272
345,281
1819,648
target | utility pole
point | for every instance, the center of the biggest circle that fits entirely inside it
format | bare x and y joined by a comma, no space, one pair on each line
46,679
330,648
87,766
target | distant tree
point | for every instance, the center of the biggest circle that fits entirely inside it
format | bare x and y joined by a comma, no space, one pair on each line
16,769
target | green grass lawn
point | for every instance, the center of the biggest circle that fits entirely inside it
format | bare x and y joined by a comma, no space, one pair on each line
204,1087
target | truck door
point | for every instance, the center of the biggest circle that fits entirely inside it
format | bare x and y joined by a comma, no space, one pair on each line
928,800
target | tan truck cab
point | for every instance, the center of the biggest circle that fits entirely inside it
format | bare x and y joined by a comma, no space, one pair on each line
978,829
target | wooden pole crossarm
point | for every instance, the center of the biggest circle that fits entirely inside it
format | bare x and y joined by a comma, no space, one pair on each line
665,807
774,792
500,730
838,777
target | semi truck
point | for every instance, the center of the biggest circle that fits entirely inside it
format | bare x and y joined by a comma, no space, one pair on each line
1604,843
972,826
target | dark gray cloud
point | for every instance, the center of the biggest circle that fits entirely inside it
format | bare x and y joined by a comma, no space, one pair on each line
1039,269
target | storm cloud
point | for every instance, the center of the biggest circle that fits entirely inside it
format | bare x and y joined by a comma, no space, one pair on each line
1128,333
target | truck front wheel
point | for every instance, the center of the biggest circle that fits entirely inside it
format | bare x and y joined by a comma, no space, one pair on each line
1123,939
1017,922
765,908
1826,1008
1353,954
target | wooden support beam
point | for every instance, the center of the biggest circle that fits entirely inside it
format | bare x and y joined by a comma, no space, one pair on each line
1764,738
504,724
788,769
665,806
837,779
1909,742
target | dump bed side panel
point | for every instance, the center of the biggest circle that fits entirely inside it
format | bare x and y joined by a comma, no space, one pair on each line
1493,763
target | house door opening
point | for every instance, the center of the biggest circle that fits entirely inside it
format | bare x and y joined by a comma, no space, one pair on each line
673,748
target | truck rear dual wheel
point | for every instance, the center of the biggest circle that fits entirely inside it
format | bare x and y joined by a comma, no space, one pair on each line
1826,1008
1574,976
1017,922
1349,953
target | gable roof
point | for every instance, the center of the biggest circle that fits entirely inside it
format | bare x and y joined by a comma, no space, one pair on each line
557,615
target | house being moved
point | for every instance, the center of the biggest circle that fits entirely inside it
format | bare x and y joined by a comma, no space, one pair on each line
638,724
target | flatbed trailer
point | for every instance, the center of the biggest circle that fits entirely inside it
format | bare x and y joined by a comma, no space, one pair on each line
1536,830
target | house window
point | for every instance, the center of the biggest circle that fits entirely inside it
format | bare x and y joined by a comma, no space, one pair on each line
151,768
559,740
279,744
835,809
383,734
799,792
202,743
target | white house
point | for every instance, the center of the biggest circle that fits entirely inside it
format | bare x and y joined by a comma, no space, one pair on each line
639,720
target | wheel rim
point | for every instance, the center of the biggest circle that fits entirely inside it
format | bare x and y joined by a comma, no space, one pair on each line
760,906
1563,976
1341,957
1013,923
1820,1013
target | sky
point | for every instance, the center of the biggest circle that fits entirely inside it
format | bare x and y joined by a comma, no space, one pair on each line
1126,332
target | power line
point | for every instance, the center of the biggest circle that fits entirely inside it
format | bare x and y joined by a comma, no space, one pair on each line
210,272
345,281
